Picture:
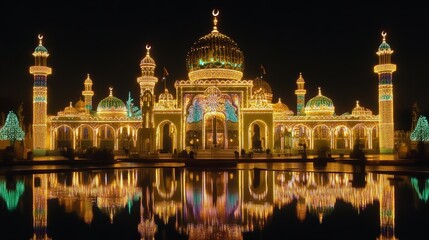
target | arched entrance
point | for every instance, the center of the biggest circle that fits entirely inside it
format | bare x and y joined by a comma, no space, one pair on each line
64,137
214,130
166,137
258,136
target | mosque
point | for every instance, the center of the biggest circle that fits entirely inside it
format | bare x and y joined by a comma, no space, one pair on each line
214,108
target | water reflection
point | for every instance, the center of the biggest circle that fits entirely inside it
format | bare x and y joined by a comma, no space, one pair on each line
194,204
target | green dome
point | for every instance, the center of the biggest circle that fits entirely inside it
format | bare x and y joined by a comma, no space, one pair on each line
320,106
40,49
111,104
384,46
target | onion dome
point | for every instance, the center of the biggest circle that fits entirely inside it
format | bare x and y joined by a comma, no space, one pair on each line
320,106
259,99
258,83
361,111
281,108
384,46
215,56
112,106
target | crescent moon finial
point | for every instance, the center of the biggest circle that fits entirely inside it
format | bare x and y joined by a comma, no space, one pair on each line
148,47
384,34
40,37
215,12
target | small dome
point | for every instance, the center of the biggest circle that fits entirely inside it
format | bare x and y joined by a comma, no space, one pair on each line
320,106
361,111
88,79
282,108
112,105
265,86
70,110
147,60
40,50
166,96
80,105
384,46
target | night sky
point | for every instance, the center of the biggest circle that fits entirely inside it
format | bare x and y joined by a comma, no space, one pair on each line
333,45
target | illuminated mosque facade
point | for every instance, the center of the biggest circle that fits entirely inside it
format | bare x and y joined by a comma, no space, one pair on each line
213,109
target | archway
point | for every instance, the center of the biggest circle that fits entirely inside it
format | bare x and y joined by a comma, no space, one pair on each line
301,137
166,137
258,135
342,138
105,137
84,137
64,137
321,137
360,135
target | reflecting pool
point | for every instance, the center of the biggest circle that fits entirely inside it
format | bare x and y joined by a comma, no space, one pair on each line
182,203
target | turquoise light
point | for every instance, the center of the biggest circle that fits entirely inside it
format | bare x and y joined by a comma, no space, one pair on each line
11,197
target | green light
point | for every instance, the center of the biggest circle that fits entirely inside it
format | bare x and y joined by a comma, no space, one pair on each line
11,130
421,132
11,197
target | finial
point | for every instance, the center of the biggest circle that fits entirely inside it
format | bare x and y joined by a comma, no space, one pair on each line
320,91
148,47
383,33
71,104
40,36
111,91
300,74
215,13
357,103
87,75
280,100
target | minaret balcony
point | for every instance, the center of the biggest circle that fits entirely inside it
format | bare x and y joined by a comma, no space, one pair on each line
40,70
385,68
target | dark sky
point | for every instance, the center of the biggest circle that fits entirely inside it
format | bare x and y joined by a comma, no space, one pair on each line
333,45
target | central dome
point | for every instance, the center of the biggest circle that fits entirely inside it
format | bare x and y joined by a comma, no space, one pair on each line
112,106
215,56
320,106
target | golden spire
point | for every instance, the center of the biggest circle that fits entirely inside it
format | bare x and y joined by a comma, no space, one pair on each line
87,75
280,100
111,91
40,36
320,91
357,103
215,13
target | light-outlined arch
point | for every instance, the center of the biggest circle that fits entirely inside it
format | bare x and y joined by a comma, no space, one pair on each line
256,142
165,139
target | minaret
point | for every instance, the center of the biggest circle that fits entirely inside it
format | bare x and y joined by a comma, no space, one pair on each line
147,83
40,70
300,95
385,70
88,93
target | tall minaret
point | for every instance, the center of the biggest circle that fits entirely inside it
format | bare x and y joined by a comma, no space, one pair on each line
88,93
300,95
385,70
147,83
40,70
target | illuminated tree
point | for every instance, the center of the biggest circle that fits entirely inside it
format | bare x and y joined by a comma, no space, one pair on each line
421,132
11,130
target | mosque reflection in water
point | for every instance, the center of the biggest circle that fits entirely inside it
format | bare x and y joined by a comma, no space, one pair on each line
199,204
